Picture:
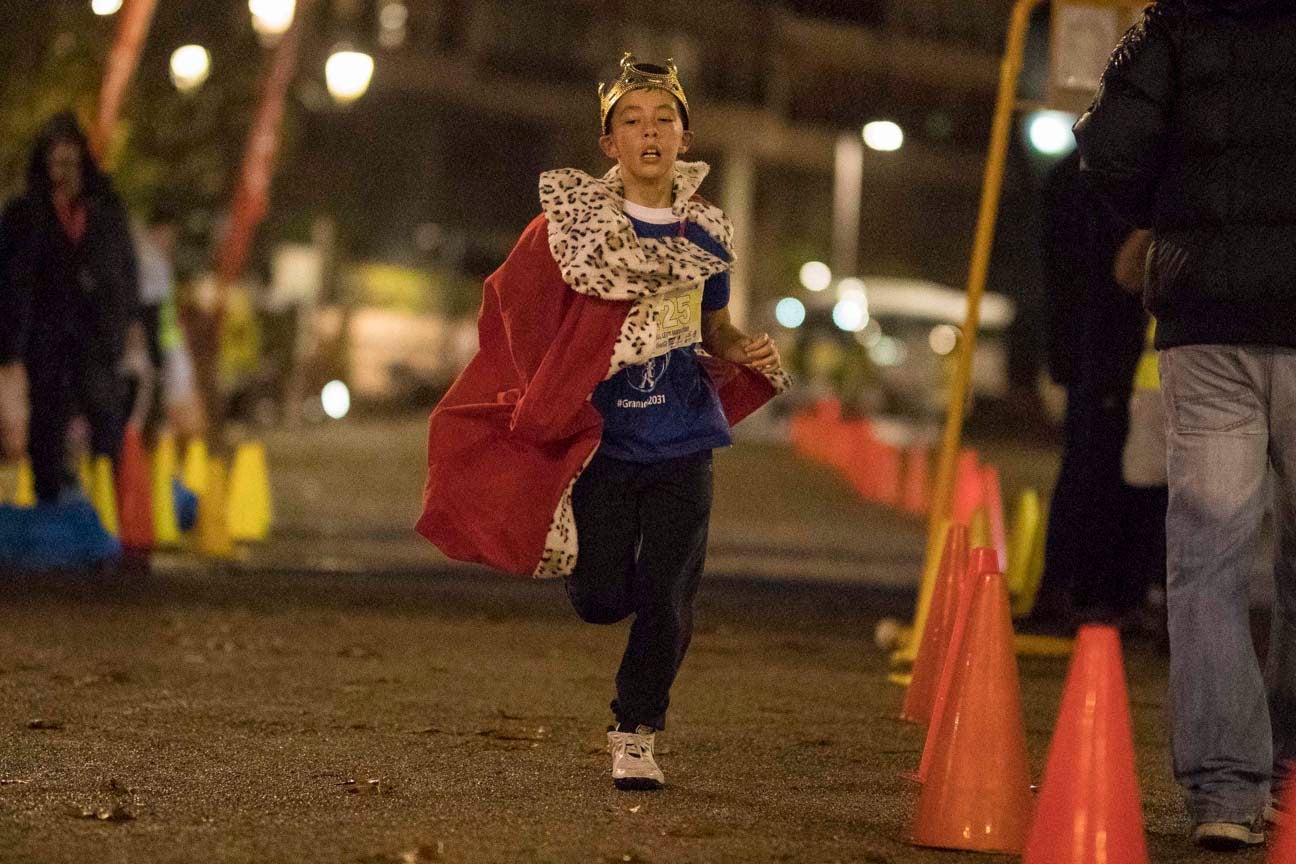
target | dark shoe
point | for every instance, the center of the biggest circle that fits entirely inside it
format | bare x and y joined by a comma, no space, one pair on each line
1228,836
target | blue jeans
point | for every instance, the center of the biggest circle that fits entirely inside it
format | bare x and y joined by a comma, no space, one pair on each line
1231,418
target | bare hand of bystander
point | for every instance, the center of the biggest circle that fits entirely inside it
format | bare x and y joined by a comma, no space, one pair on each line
13,411
1131,261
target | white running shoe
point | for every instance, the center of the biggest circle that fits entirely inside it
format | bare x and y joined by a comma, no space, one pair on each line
633,766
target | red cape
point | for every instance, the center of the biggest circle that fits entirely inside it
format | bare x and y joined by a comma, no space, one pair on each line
517,426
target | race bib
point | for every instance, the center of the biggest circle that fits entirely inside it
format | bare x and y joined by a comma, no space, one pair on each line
679,319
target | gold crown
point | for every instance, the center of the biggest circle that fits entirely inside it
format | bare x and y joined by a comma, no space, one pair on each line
639,77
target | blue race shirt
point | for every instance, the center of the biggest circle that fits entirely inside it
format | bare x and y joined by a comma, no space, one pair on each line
668,407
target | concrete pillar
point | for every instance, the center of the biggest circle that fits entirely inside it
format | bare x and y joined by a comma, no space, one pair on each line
739,203
848,188
479,32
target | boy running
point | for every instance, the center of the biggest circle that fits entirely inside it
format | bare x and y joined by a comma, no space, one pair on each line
577,443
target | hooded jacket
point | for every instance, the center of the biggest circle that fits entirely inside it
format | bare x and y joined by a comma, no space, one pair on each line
58,296
1192,134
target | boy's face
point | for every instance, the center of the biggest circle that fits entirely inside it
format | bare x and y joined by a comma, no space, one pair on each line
647,134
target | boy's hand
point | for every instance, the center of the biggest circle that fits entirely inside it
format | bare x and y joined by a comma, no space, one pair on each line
759,352
721,339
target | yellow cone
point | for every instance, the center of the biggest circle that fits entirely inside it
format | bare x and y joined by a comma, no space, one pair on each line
103,495
213,536
249,494
1036,572
1021,549
85,474
25,487
1037,646
194,472
166,530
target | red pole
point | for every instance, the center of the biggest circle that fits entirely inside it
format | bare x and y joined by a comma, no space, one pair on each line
252,196
247,209
132,32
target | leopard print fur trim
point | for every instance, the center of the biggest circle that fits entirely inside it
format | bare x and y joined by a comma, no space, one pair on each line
779,379
597,250
588,227
635,343
559,558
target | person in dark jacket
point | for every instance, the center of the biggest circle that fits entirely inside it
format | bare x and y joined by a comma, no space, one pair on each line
68,288
1095,338
1191,135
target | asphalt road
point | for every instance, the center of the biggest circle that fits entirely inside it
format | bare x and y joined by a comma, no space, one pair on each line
300,706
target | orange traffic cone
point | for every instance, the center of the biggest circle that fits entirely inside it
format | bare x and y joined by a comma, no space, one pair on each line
887,485
856,463
981,561
134,492
1089,800
968,486
846,436
820,420
940,622
1284,844
799,434
914,496
977,795
827,409
992,492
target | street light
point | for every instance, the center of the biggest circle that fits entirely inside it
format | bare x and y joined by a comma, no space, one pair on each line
348,73
883,135
105,7
1050,132
815,275
392,19
336,399
851,313
790,313
190,66
851,286
943,339
272,18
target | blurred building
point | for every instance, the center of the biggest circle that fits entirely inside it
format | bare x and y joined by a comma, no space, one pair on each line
472,98
434,169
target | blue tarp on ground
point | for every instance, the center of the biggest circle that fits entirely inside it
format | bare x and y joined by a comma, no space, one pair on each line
54,536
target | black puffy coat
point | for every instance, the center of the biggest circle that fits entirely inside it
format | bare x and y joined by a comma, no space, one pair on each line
58,297
1193,134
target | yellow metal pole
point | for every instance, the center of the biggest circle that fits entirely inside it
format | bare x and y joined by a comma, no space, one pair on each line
942,497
